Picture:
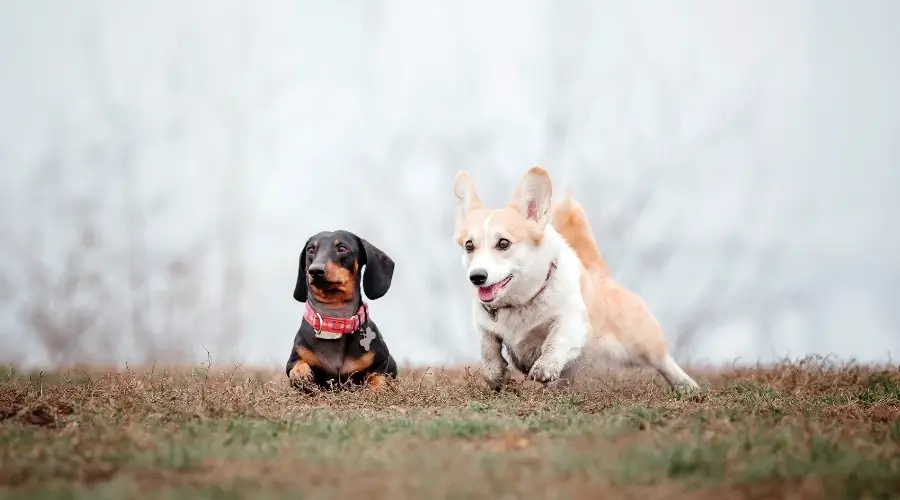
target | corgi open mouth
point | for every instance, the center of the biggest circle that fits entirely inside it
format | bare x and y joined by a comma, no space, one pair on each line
489,293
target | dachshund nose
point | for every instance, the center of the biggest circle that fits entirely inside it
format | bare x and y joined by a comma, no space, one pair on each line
317,270
478,277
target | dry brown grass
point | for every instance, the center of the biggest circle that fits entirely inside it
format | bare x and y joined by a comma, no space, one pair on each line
801,430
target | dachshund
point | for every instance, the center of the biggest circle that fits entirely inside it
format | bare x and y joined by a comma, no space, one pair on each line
338,344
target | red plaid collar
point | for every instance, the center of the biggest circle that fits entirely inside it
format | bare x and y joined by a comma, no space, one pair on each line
343,326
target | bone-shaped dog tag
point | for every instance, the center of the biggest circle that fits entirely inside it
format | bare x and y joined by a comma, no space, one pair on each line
366,341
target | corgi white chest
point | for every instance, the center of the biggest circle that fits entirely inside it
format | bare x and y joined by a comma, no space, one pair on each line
514,322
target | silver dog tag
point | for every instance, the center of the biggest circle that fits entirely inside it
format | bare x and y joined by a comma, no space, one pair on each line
327,335
492,312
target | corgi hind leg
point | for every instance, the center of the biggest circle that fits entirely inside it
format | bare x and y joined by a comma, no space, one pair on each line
654,356
674,375
657,356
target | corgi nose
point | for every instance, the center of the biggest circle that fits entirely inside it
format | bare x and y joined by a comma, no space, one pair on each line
478,277
317,270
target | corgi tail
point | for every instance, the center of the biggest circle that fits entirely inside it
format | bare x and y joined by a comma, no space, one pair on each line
570,221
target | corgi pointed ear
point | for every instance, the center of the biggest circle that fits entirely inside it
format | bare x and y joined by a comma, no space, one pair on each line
466,197
533,196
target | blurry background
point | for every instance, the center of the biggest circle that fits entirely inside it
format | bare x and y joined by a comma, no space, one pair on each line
163,163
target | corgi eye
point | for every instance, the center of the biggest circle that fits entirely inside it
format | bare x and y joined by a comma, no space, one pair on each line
503,244
470,247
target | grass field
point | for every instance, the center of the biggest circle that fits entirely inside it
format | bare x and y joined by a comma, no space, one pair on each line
800,430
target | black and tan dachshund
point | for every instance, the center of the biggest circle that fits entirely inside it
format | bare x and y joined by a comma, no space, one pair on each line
338,342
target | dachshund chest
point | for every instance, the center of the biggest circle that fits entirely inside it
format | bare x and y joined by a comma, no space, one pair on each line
331,357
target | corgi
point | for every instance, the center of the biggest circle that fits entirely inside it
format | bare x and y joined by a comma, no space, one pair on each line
541,288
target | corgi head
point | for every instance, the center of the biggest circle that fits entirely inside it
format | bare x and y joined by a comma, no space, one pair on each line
502,248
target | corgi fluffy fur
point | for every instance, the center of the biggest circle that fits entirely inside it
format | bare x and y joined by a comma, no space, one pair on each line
542,289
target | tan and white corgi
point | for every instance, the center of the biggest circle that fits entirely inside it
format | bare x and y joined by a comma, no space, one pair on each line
541,287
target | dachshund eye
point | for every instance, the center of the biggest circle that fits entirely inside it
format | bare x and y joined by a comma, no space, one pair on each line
503,244
470,247
311,251
342,249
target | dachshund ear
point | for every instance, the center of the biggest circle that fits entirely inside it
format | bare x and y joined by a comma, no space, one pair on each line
378,272
300,289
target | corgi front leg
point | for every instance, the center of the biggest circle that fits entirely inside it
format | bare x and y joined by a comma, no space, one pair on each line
564,344
493,366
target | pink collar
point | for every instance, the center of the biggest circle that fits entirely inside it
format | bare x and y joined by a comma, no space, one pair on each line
492,311
335,326
546,281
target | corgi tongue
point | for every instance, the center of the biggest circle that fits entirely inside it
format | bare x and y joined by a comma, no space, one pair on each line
487,293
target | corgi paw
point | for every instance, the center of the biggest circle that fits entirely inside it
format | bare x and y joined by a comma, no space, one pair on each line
495,374
544,371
